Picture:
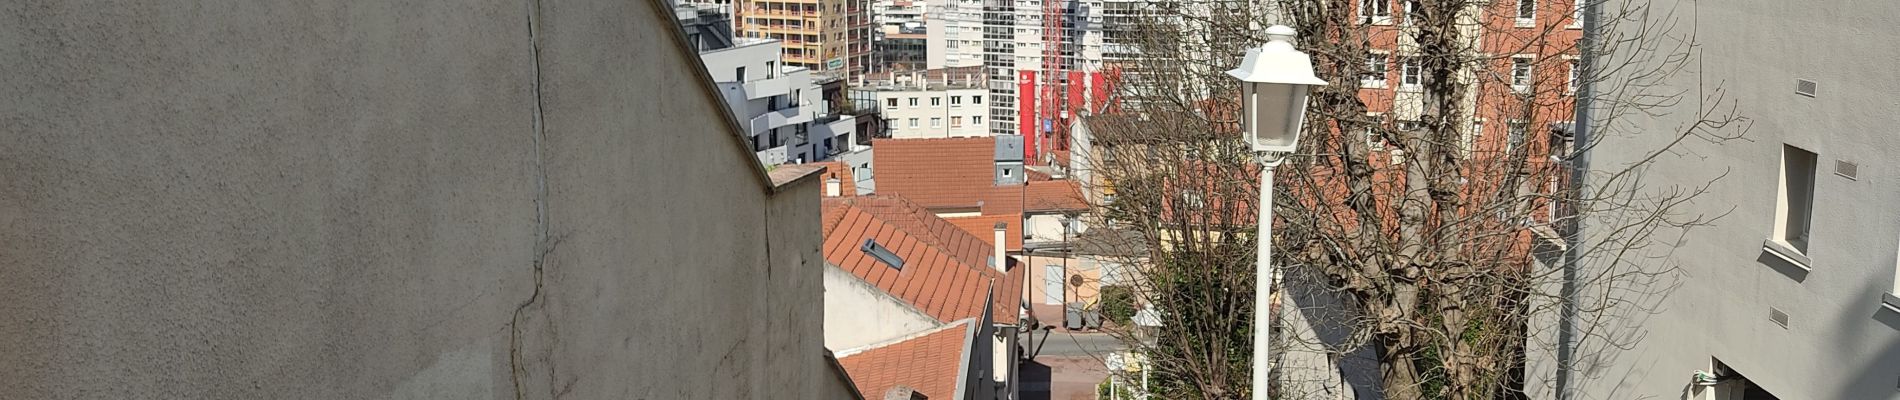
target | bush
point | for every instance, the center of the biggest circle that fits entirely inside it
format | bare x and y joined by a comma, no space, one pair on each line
1117,304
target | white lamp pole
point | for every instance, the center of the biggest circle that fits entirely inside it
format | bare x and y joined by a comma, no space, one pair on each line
1274,80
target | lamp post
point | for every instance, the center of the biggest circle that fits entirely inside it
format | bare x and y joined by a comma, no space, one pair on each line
1274,80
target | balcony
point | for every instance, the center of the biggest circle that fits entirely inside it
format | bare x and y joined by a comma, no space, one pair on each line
768,87
777,119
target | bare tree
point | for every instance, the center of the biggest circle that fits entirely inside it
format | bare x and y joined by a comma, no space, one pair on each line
1432,200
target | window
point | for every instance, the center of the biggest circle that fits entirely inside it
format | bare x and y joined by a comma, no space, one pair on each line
1576,15
976,99
1378,10
913,122
936,122
978,120
956,122
936,101
1795,206
1375,71
1572,85
1519,129
956,100
1409,72
891,102
1373,140
738,74
1526,12
1521,74
913,102
1411,11
1471,138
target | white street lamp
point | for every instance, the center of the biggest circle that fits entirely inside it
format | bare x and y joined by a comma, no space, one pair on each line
1274,80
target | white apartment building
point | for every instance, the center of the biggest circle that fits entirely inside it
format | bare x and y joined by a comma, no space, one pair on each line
781,108
1790,293
916,107
1014,51
955,33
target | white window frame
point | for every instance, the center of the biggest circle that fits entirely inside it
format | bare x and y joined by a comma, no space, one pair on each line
976,120
1576,15
913,122
936,101
956,101
1570,85
956,121
1384,69
1473,136
936,122
1411,74
913,102
1373,141
1522,84
1522,20
1410,7
1379,12
890,102
1791,202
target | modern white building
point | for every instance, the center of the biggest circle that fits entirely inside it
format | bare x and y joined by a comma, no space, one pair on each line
781,108
917,106
1790,293
1016,46
955,33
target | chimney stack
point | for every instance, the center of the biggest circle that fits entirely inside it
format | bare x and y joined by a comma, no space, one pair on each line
832,187
1002,260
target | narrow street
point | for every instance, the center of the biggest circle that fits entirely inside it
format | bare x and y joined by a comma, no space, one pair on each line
1066,366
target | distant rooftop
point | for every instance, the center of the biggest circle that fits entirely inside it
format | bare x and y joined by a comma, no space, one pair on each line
936,79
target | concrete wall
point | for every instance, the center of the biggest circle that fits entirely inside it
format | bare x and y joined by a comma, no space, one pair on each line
1839,342
859,314
353,199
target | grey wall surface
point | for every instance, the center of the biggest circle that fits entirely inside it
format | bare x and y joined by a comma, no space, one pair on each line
1839,343
352,199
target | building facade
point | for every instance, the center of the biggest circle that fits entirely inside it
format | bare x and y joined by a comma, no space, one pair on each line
301,211
782,107
1790,293
955,33
832,36
916,106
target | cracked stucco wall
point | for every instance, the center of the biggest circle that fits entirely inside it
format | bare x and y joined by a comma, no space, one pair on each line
337,199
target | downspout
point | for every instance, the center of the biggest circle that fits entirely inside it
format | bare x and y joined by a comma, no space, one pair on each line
1568,332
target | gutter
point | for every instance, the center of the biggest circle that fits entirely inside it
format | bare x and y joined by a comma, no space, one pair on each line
1570,318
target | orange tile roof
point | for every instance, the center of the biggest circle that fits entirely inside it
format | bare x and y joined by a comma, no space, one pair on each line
936,173
1063,195
946,269
929,364
847,183
960,173
984,226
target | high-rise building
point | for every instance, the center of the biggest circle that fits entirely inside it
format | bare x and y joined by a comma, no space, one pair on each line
1044,61
955,30
830,36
